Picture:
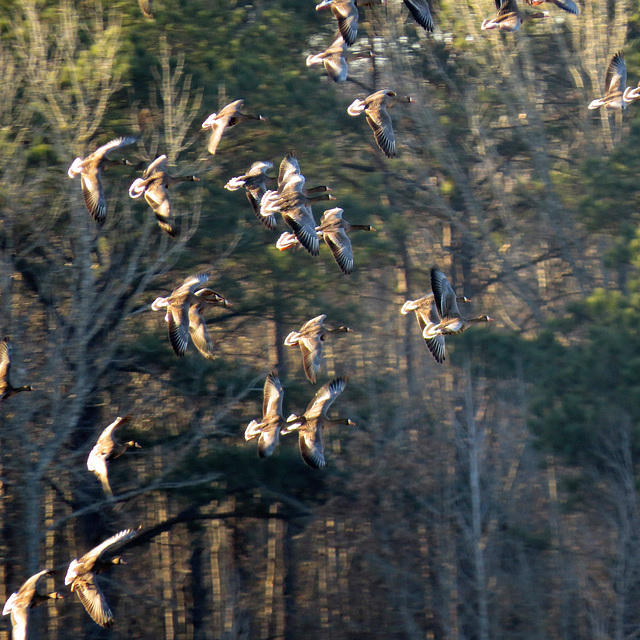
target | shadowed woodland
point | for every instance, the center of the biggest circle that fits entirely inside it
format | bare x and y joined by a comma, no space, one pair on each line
491,496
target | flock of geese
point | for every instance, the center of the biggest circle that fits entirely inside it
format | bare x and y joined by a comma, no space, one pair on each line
437,313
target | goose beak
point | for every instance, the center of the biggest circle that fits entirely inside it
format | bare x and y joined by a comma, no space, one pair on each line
351,423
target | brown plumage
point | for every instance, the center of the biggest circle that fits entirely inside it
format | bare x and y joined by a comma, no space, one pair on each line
229,116
90,170
255,183
375,108
427,316
334,229
334,59
268,429
184,308
447,319
310,338
293,200
314,420
106,450
509,17
153,185
616,93
346,13
27,597
81,576
6,389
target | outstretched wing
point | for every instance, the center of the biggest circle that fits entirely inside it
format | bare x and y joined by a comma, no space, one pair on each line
93,600
421,13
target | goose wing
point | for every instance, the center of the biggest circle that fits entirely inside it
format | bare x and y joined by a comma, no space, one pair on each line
300,219
190,284
5,363
436,346
421,13
93,192
616,76
116,143
217,129
106,437
107,547
254,195
311,447
199,333
340,246
444,295
93,600
380,122
97,463
158,199
157,165
268,440
28,589
347,16
311,347
288,167
568,5
18,623
178,318
325,397
506,6
273,396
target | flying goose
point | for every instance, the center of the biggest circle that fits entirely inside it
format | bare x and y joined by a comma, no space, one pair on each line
375,108
184,307
427,315
509,17
293,201
153,185
106,450
90,170
310,424
334,229
447,319
27,597
81,576
310,338
334,59
228,117
615,86
255,183
268,429
6,389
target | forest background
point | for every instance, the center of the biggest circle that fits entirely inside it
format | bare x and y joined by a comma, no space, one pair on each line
494,496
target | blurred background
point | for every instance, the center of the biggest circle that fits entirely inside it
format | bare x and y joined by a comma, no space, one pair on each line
493,496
